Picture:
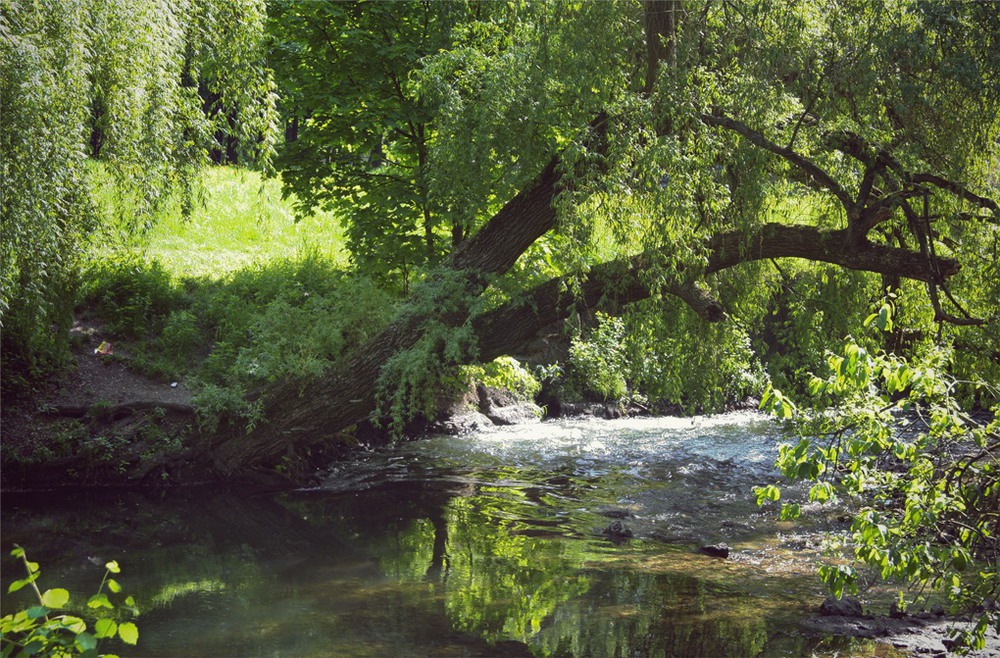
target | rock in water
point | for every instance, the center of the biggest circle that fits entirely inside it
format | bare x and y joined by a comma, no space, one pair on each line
617,532
716,550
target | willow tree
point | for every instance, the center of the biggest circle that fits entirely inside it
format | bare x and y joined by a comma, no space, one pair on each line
125,82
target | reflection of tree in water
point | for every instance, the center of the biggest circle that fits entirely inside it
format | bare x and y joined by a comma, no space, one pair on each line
561,596
403,568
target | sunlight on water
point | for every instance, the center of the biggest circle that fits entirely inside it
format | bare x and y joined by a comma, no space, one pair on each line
568,538
685,479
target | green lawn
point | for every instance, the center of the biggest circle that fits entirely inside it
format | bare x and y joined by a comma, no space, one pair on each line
241,220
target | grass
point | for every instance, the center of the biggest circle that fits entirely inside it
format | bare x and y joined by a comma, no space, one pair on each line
241,221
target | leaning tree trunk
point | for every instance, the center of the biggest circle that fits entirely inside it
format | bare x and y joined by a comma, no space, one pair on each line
298,414
301,414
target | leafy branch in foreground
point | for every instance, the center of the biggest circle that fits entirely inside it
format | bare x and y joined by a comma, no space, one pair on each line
35,632
889,434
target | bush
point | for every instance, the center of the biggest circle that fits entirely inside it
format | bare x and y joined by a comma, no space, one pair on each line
599,362
132,295
505,372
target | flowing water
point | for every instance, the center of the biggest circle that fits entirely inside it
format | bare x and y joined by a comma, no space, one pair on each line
563,538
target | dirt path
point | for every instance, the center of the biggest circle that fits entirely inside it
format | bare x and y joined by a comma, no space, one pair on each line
107,379
33,433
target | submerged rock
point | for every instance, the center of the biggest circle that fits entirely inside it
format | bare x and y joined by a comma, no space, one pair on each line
617,532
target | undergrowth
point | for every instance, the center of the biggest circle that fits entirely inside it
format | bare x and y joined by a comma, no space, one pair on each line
234,296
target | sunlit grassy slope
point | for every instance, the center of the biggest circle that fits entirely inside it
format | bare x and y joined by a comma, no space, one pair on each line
241,220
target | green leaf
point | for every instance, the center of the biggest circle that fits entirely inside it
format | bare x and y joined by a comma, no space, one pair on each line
55,598
821,492
105,628
37,611
128,632
113,567
114,586
769,492
99,601
86,642
18,584
790,511
73,624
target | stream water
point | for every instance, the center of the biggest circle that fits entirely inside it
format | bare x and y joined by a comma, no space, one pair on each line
493,544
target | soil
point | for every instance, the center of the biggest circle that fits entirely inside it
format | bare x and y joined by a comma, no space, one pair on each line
96,391
108,378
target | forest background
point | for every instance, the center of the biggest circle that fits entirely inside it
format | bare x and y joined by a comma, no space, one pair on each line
687,203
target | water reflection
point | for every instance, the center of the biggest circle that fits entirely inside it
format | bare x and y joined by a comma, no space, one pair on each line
482,546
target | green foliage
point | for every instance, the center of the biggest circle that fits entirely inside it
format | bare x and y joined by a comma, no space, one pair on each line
35,631
412,380
600,361
132,295
889,433
505,372
184,307
517,83
678,358
287,319
658,352
358,133
43,210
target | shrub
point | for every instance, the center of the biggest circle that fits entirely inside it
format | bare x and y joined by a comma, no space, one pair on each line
506,372
35,631
599,362
132,295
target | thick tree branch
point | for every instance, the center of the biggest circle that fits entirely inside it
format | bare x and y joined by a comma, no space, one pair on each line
956,189
506,329
783,241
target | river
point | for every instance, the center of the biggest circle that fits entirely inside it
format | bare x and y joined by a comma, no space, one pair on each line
491,544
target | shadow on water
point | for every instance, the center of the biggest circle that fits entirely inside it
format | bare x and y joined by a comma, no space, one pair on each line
482,546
